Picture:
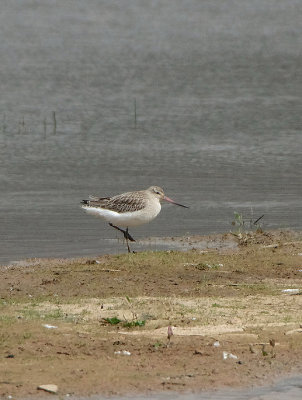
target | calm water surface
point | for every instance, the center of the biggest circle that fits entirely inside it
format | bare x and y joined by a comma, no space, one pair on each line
288,389
98,97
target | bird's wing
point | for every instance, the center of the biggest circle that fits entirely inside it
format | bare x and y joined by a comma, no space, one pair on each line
126,202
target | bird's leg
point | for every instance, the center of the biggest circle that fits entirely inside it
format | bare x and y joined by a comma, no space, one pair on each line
126,237
126,234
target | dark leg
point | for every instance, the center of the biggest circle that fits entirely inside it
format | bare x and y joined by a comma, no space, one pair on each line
126,234
126,237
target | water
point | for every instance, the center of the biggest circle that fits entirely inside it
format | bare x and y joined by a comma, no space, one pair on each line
286,389
101,97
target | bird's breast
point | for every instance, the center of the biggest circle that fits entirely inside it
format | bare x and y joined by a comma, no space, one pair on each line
141,217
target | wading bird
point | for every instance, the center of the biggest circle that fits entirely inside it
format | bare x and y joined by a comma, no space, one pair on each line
128,209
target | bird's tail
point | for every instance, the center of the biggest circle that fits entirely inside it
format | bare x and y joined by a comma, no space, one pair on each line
91,199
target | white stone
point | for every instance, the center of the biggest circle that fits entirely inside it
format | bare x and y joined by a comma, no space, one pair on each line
49,388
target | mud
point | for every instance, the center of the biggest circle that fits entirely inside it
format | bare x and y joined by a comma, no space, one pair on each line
73,322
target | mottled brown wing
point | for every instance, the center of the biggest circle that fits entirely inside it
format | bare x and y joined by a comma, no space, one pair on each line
126,202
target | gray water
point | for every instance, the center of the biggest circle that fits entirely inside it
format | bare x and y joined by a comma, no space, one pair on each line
287,389
100,97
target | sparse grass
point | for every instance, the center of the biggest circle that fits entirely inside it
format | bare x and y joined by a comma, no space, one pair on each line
142,294
36,312
289,318
158,311
7,318
29,313
7,302
133,324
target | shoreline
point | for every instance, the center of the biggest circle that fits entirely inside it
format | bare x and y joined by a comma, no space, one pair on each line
235,313
287,387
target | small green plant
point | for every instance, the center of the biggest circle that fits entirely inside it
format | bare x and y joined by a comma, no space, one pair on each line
238,222
112,321
205,266
241,223
125,324
132,324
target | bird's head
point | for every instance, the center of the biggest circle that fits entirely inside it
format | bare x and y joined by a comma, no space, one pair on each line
160,194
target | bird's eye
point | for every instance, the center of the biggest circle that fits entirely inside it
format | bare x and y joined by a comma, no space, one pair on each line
156,191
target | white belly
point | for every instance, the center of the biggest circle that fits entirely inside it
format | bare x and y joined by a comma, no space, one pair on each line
126,219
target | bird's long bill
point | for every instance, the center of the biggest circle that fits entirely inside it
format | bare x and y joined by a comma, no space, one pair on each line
173,202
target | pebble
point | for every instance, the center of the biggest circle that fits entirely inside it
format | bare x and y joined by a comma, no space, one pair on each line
49,388
229,355
123,352
50,326
290,290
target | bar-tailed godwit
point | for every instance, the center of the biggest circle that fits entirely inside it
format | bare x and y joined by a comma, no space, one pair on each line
128,209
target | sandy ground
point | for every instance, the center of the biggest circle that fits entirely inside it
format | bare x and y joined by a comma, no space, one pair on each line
100,325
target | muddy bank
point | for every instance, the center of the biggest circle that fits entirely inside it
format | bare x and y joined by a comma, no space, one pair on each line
99,325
